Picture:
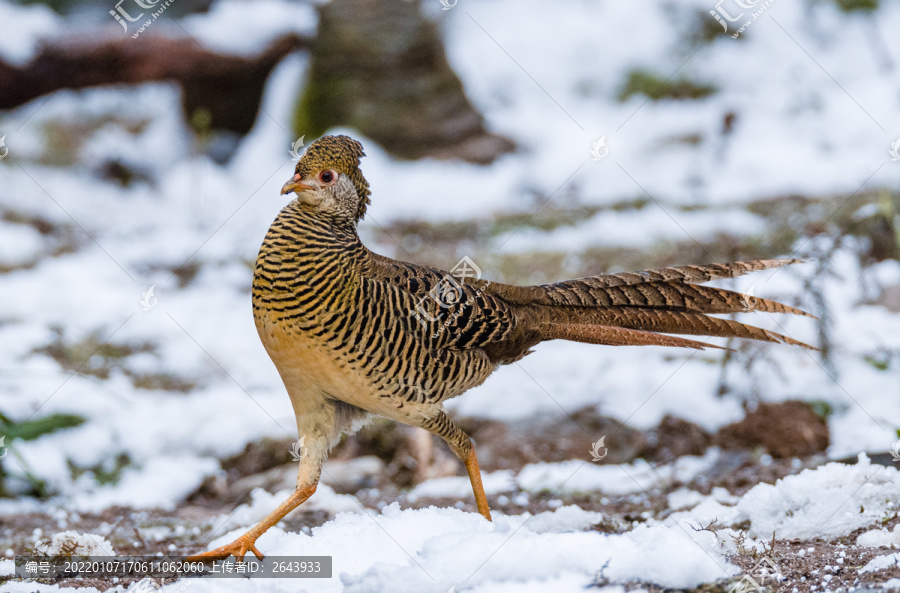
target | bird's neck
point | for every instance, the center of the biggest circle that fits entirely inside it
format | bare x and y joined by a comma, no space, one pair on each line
307,247
306,228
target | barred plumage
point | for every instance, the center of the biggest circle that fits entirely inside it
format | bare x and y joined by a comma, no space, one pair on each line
350,336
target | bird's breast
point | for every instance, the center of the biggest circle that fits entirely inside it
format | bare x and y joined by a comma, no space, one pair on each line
306,308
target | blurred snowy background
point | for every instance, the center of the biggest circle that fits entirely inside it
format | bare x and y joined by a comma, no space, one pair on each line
126,411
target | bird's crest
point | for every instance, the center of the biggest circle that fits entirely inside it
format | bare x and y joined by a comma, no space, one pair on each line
342,154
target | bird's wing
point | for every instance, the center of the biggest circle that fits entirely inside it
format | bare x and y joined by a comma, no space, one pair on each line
446,311
439,334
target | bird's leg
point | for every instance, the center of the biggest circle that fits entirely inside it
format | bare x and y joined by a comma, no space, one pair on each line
464,449
475,477
421,445
247,542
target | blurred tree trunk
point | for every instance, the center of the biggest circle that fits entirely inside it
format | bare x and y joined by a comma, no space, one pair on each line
378,66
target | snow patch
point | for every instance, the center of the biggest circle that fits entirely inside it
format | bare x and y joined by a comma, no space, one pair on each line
460,487
262,503
638,476
247,28
22,28
157,484
829,501
72,543
876,538
880,563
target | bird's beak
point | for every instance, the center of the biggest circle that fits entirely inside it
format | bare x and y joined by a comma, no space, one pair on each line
294,185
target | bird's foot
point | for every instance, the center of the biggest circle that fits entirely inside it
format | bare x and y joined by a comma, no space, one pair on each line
238,548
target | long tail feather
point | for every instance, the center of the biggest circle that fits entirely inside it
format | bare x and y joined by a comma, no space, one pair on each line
719,300
636,307
618,336
673,289
678,322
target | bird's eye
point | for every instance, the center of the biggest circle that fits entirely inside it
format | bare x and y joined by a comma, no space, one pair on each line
327,176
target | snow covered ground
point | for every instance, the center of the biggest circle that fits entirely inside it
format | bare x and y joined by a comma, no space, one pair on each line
816,93
437,549
517,550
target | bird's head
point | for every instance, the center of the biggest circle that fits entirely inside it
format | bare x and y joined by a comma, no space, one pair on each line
328,178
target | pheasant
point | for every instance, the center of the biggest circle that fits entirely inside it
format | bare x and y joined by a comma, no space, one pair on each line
353,333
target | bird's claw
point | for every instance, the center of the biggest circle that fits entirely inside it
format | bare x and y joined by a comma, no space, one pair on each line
238,548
